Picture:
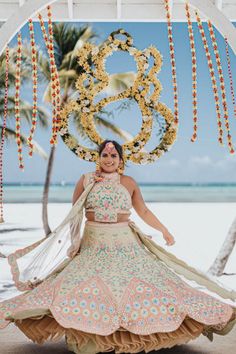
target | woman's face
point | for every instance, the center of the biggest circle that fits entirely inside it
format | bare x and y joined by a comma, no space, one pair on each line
109,160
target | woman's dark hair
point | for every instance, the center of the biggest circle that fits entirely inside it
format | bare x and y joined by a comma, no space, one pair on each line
117,146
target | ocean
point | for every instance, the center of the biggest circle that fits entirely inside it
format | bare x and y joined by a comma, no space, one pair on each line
162,192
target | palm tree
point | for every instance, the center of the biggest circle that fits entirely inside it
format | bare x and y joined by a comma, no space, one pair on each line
218,266
67,40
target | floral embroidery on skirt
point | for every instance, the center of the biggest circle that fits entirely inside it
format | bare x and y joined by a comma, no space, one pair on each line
115,295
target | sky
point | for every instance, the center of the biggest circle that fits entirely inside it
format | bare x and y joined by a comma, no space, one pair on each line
204,161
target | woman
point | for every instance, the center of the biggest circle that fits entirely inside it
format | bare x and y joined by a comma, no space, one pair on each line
119,290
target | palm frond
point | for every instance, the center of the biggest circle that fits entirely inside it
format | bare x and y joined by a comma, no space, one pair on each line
10,135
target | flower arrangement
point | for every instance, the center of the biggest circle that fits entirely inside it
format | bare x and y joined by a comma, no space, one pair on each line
17,99
35,82
5,112
230,75
55,83
94,79
222,85
194,72
172,55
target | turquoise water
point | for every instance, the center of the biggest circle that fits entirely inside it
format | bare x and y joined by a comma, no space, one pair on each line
214,192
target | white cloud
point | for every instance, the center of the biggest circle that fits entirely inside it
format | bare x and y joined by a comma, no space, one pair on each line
201,160
173,163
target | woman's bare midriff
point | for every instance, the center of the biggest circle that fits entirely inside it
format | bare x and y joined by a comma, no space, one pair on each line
120,217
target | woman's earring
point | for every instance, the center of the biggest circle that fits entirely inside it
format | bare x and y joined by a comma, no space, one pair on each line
98,167
120,168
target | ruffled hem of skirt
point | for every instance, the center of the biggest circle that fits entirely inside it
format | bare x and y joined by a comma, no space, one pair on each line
41,329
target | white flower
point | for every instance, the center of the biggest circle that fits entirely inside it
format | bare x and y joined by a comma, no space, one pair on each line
131,50
85,109
79,150
144,161
86,102
148,129
95,51
146,66
87,156
146,118
63,131
147,53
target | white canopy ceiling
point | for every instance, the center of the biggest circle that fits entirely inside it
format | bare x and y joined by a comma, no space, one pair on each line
104,10
16,12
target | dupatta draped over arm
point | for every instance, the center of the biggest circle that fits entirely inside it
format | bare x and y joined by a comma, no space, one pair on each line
34,263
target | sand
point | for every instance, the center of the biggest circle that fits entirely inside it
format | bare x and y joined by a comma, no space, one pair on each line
199,230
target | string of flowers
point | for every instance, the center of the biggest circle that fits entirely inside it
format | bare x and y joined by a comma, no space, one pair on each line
222,85
35,81
56,82
172,55
17,100
3,133
230,75
194,72
54,78
213,79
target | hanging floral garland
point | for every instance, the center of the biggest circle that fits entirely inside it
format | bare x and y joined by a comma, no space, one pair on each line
194,72
172,55
139,91
3,133
56,88
17,100
230,75
34,79
55,84
222,85
213,78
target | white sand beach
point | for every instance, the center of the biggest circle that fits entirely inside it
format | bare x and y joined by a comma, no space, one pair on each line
199,230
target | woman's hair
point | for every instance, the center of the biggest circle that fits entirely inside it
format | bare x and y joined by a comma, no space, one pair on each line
117,146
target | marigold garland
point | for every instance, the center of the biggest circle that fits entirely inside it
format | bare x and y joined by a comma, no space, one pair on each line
194,72
55,85
230,75
35,81
222,85
17,100
172,55
139,91
56,88
3,132
213,78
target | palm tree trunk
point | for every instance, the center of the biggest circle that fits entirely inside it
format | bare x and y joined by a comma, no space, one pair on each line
46,226
219,264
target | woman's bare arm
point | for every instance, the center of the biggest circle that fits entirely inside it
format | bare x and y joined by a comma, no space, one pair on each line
146,215
79,188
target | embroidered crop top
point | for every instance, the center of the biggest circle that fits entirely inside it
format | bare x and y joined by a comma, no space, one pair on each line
107,197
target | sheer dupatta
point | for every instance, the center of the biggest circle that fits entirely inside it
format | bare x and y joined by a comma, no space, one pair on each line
35,263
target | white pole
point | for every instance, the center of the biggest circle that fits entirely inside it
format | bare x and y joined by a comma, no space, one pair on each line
118,9
218,4
70,9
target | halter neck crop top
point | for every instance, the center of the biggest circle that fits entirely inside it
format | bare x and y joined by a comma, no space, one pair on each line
107,197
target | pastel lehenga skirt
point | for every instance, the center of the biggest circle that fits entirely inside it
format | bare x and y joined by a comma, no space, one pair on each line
115,295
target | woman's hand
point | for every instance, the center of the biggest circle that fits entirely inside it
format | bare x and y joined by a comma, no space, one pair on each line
168,237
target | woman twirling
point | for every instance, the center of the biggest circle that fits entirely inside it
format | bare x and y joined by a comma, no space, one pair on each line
113,289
